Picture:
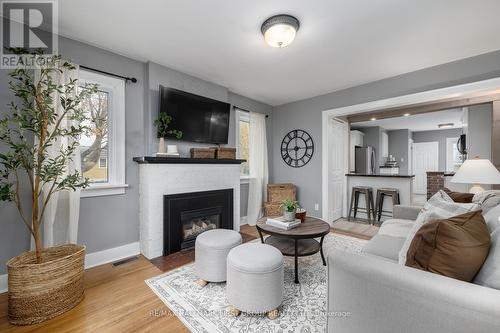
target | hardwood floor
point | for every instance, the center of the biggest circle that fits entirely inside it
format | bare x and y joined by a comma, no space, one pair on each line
118,300
355,228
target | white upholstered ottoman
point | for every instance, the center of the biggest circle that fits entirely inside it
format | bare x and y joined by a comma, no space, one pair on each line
255,279
211,250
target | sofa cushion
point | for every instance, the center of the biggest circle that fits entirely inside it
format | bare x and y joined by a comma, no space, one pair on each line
487,199
489,274
439,206
396,227
459,196
384,246
492,218
455,247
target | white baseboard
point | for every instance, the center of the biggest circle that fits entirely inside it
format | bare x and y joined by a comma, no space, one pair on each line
243,220
3,283
95,259
110,255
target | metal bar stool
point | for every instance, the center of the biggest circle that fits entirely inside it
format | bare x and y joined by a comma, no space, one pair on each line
368,193
381,194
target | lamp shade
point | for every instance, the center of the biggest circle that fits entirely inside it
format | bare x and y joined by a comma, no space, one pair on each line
477,171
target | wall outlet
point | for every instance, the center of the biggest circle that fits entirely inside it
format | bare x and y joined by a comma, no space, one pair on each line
402,159
316,206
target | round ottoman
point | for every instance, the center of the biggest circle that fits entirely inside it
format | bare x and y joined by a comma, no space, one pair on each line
255,279
211,249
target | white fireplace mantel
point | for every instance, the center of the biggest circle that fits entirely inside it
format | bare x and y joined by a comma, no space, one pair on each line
162,176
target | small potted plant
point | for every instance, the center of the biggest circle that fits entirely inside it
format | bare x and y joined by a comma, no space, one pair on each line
161,124
289,208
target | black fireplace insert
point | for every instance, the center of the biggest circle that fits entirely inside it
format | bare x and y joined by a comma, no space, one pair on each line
187,215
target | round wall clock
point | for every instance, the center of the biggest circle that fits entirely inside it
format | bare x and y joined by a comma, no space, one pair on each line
297,148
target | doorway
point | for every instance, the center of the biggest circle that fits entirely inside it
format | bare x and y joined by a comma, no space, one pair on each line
337,167
425,158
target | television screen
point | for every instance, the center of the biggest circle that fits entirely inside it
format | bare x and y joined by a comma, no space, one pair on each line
200,119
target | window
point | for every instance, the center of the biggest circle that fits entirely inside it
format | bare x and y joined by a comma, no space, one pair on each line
103,163
243,140
102,146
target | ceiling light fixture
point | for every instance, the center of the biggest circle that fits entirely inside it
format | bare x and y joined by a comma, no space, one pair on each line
280,30
447,125
373,119
406,115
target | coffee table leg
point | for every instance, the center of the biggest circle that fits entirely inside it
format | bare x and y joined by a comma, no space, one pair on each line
321,250
261,237
296,262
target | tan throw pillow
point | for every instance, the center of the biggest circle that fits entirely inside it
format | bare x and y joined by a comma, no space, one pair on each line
455,247
439,206
459,196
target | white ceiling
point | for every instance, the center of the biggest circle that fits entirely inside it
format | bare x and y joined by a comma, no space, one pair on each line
419,122
341,43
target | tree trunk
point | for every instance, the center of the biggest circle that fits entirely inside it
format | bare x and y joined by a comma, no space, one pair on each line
38,243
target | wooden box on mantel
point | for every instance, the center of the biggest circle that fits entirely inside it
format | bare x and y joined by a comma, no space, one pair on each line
224,153
202,152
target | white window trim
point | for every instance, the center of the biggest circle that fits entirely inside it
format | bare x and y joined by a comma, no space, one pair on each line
245,116
116,135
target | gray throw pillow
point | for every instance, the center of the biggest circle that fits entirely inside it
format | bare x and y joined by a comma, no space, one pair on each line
489,274
487,199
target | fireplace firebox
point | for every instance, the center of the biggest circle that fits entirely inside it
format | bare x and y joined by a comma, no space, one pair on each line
187,215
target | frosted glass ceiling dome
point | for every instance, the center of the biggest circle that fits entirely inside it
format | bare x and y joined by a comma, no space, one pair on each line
280,30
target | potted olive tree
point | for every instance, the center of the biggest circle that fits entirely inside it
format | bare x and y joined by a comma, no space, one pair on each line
39,136
162,123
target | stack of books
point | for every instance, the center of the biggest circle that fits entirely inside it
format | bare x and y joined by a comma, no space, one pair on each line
279,222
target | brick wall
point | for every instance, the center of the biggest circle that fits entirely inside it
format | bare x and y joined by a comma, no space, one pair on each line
435,182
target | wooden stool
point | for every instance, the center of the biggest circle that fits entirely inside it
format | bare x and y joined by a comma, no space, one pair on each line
368,192
381,194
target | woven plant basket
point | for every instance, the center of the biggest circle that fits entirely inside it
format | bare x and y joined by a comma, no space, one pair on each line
38,292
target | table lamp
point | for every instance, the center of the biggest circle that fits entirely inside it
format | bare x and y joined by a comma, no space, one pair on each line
477,172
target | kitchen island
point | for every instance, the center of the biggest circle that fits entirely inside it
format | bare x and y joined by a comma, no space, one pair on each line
404,184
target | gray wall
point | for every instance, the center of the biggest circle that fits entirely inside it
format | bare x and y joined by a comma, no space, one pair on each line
110,221
398,147
306,114
439,136
479,131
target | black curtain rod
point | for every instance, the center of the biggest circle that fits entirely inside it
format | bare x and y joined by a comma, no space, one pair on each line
237,107
131,79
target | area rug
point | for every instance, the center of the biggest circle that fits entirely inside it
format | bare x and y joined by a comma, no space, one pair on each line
205,309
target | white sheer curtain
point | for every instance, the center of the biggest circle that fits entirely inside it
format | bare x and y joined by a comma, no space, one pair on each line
60,221
259,169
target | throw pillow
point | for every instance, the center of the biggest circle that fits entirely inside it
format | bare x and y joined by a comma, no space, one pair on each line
489,275
459,196
439,206
455,247
487,199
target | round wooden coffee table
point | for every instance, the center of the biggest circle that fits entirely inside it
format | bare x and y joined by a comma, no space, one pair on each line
296,242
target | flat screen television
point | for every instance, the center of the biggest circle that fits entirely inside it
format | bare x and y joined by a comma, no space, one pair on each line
200,119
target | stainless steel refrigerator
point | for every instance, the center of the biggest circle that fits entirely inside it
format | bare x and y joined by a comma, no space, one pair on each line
364,161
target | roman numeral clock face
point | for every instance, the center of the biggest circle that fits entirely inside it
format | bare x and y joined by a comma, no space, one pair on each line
297,148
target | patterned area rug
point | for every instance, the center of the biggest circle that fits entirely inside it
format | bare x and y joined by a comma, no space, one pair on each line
205,309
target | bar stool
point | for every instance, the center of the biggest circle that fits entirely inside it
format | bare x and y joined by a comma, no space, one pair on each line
381,194
368,193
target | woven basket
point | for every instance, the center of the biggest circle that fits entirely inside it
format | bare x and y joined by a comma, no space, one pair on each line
38,292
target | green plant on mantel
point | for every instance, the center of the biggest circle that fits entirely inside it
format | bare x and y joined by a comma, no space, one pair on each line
162,123
290,205
33,126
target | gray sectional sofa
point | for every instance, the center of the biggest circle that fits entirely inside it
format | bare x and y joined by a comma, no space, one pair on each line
371,293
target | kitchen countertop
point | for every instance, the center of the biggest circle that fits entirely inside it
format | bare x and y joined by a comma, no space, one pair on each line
377,175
